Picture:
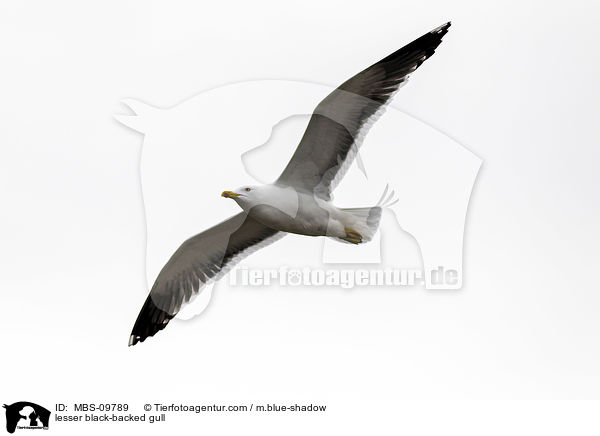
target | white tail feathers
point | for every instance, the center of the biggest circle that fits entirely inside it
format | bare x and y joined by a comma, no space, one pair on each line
363,222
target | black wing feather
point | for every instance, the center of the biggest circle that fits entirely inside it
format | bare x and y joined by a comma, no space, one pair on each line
341,120
197,261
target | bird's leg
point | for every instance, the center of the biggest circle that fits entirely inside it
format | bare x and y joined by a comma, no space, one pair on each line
352,236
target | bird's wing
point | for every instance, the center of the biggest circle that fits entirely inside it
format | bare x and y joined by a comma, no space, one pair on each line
199,260
340,122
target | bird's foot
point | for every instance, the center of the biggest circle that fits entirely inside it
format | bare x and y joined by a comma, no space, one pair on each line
352,236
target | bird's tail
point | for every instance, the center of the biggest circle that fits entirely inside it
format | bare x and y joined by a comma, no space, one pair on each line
365,220
362,224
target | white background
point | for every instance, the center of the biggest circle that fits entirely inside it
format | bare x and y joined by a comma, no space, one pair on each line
516,82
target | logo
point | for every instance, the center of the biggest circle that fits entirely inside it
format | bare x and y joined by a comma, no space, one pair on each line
420,237
26,415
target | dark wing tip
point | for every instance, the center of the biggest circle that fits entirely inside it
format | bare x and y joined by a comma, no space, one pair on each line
397,66
438,33
443,28
433,39
150,321
400,64
429,41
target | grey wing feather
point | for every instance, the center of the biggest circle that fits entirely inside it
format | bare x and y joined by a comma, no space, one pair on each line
340,122
201,259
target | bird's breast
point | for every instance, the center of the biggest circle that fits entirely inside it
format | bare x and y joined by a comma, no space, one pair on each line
307,221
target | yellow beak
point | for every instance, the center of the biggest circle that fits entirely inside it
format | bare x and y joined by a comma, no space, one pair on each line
229,194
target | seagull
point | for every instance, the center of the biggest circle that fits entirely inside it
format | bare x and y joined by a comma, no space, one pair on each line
300,200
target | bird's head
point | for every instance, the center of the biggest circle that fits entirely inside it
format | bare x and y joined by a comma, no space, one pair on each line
284,199
246,196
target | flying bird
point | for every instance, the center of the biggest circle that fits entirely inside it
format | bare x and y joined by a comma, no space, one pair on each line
300,200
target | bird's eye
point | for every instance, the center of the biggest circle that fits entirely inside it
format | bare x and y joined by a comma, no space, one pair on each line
248,189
